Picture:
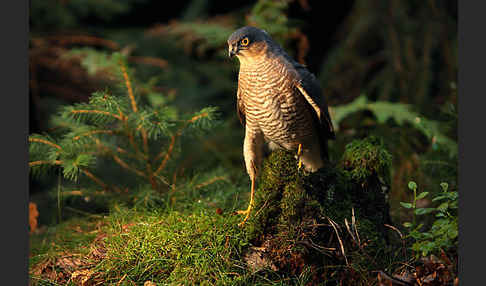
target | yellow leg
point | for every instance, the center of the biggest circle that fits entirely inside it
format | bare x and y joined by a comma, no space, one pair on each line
247,211
299,151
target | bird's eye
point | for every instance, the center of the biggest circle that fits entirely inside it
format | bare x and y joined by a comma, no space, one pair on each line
245,42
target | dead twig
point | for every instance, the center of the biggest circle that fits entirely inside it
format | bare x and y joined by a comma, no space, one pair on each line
404,248
335,227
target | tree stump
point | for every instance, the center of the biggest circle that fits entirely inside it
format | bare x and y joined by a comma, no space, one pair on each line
327,222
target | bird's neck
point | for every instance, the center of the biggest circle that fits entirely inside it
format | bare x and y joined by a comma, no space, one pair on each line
254,63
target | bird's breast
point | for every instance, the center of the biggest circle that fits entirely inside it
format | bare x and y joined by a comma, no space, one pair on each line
274,106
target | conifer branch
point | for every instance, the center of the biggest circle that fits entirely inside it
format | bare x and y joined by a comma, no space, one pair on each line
125,152
173,138
150,172
144,137
145,141
151,176
135,109
127,167
174,178
84,171
41,162
121,113
97,112
89,133
197,117
87,120
129,86
45,142
118,159
167,155
94,178
161,153
131,139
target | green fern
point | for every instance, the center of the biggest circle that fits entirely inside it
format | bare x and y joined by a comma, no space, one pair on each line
400,113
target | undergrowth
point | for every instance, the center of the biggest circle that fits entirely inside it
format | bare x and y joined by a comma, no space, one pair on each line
195,246
442,234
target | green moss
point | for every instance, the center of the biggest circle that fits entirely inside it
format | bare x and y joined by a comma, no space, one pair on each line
173,247
292,208
363,158
279,172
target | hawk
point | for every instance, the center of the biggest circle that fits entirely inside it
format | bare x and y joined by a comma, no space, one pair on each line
279,102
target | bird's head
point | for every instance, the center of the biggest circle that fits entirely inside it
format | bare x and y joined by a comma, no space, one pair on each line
248,43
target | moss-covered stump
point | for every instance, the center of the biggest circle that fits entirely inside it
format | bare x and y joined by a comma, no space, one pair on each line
329,222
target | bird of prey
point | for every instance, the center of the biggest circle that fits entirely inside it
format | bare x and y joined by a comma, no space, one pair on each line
279,102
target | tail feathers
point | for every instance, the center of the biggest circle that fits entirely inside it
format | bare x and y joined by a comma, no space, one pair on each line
324,149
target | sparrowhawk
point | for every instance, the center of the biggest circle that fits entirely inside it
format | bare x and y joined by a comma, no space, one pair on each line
279,102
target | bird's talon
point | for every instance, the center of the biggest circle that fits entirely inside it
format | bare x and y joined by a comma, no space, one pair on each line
246,213
244,220
241,212
299,152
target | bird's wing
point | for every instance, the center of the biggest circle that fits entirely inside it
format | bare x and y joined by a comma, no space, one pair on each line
240,107
309,87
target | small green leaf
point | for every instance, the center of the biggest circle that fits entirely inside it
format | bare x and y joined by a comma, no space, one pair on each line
452,233
443,207
406,205
452,195
412,185
444,186
407,224
422,195
422,211
440,197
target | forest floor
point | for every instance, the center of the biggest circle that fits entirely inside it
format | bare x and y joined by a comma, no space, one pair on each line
191,238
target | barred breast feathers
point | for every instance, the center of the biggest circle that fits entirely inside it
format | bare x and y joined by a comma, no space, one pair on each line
271,101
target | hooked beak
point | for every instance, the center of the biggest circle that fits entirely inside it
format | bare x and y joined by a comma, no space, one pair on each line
232,50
